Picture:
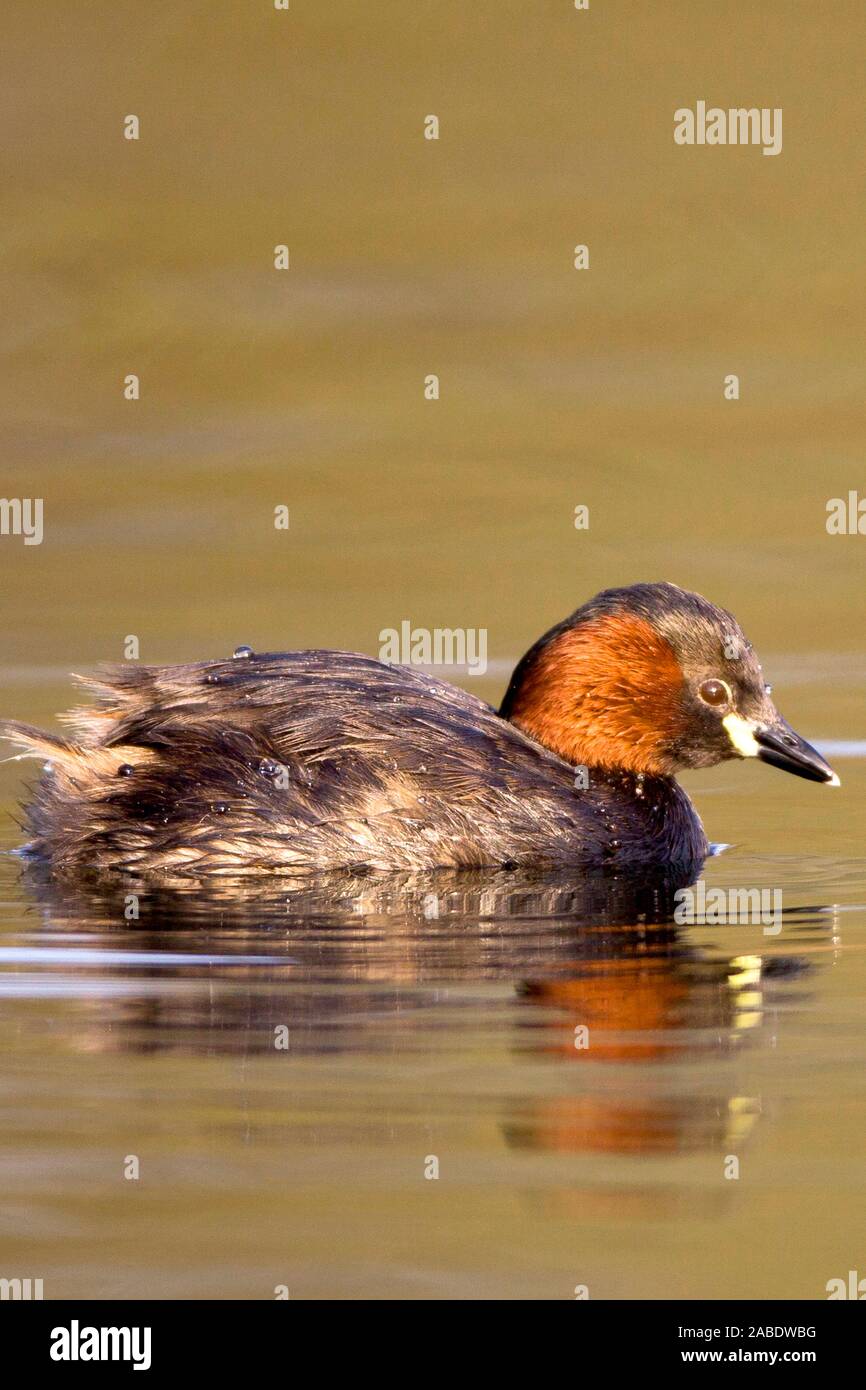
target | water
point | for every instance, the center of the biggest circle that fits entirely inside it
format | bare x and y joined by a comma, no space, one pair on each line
434,1018
285,1064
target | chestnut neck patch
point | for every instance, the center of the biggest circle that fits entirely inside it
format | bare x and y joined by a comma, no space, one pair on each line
605,693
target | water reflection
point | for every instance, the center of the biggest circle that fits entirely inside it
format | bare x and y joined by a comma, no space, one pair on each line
591,975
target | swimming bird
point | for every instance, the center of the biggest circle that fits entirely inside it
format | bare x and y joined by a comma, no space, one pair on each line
323,760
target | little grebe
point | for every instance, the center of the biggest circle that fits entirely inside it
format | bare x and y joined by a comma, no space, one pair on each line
325,760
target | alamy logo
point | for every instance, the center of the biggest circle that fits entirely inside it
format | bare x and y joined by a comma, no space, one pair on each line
715,906
846,516
855,1287
738,125
76,1343
22,516
20,1289
441,646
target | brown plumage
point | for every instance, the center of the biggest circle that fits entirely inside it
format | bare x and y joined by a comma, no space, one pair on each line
322,760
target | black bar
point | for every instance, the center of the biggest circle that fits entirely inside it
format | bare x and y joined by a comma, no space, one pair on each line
249,1338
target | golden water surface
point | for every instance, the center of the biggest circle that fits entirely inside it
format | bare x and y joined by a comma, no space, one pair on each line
435,1020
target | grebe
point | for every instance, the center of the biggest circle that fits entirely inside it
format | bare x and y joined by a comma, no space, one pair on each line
331,760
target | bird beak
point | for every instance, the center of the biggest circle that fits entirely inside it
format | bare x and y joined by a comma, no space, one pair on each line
777,744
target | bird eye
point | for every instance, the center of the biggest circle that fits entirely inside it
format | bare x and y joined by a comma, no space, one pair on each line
715,692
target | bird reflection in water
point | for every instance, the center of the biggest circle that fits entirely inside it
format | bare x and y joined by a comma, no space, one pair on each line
595,974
